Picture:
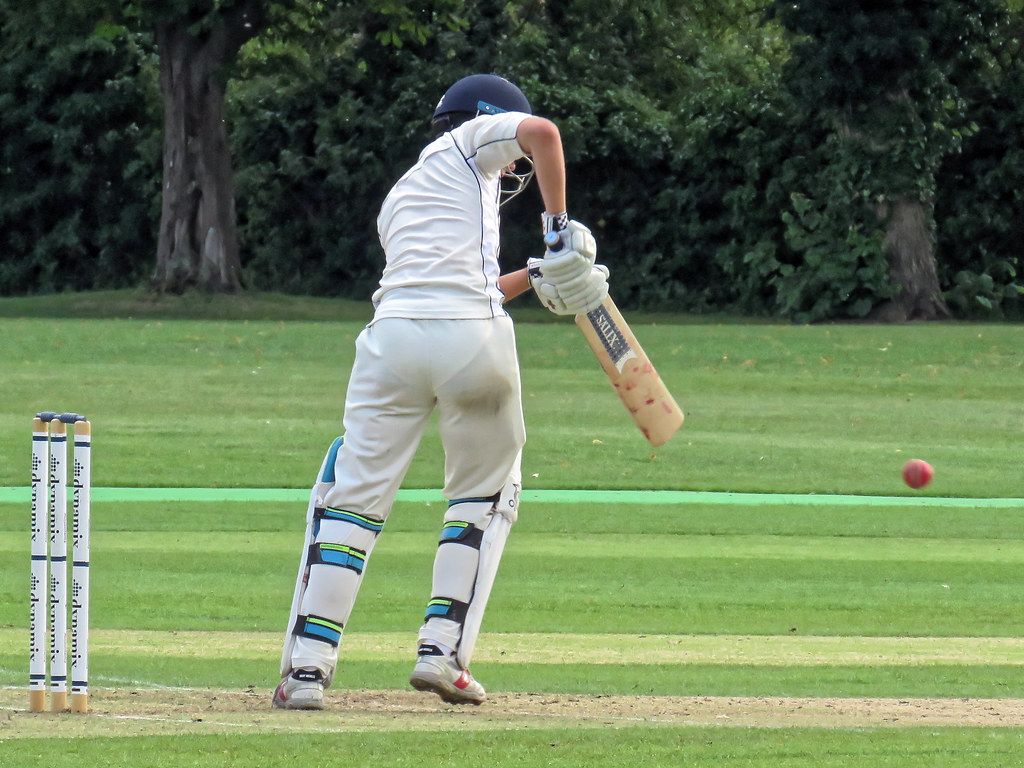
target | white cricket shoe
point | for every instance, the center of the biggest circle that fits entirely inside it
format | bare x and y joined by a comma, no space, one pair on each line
302,689
441,674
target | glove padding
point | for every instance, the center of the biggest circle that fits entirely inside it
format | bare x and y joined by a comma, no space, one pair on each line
578,295
565,265
585,293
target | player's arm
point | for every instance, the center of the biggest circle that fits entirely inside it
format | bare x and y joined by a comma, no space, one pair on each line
513,284
539,138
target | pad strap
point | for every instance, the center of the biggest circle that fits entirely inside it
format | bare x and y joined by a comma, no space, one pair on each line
337,554
343,516
318,628
460,532
446,608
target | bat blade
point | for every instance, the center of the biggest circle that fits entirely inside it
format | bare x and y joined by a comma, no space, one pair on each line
631,373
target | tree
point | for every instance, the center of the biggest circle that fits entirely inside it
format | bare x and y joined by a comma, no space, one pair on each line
197,41
881,76
980,203
79,158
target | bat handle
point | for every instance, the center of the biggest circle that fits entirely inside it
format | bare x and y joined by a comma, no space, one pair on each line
553,240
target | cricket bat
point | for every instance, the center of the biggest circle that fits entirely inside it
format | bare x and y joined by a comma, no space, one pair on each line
631,373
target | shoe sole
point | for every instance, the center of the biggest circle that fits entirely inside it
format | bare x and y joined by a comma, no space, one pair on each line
298,706
449,694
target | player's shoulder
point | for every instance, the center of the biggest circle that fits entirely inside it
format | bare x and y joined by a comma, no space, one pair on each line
486,129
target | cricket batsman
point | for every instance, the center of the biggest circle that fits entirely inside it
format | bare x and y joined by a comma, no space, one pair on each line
440,339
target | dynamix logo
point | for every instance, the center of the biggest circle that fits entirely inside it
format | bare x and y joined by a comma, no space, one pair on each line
614,342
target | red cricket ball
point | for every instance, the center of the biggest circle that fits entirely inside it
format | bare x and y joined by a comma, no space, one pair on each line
917,473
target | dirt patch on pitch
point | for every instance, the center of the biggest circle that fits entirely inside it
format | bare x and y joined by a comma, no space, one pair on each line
148,711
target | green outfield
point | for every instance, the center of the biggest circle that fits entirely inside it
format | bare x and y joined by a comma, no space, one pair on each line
762,591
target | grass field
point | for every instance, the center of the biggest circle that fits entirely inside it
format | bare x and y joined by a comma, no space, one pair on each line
801,608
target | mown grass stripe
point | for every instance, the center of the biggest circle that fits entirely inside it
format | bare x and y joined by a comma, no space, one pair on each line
735,547
562,648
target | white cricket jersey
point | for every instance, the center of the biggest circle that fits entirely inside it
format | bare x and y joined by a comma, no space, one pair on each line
439,225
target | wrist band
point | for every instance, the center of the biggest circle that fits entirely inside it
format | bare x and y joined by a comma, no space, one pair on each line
554,223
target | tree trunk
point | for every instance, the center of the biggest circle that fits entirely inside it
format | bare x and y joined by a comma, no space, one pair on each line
910,248
198,246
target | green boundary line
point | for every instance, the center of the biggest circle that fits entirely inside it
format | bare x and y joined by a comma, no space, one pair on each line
19,495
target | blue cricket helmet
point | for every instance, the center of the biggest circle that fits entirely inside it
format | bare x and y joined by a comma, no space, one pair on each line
478,95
